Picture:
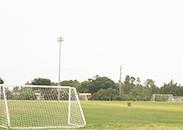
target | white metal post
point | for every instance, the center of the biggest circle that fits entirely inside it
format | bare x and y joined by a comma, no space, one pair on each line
60,39
80,108
69,108
6,107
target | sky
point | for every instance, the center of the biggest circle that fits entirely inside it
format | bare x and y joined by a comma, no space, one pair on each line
144,36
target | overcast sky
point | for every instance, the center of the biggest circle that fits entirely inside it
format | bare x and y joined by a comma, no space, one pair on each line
144,36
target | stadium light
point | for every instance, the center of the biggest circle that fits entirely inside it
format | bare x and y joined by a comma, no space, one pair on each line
60,40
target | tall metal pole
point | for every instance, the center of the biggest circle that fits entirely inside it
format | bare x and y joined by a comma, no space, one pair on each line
60,40
120,73
120,82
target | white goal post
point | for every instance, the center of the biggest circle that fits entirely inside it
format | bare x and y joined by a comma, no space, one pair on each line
39,107
163,97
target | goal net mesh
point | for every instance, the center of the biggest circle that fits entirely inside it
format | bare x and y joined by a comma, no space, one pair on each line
162,97
40,107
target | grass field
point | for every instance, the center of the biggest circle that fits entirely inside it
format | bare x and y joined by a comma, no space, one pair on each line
140,116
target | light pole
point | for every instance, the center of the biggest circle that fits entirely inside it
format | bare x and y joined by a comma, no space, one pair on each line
60,40
120,82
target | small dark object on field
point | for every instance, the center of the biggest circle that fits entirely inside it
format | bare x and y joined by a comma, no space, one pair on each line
129,104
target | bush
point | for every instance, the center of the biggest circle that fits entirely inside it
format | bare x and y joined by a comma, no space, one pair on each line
105,94
117,98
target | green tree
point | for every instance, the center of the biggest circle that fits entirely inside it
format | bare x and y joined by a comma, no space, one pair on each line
72,83
171,88
9,94
97,83
84,87
27,94
41,81
129,84
105,94
150,84
23,94
48,93
139,93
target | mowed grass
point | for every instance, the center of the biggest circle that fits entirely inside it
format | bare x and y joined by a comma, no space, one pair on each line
101,115
140,116
41,113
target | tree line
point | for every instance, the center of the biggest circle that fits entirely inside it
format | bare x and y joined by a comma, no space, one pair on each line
104,88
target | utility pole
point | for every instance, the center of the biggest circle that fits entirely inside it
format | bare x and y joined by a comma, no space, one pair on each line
120,73
121,89
120,83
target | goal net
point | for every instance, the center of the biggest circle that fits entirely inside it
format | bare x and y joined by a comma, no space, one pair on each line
34,107
162,97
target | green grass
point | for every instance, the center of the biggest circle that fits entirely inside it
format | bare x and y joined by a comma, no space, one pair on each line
142,116
117,116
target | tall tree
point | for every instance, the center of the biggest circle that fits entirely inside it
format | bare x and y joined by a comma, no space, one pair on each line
129,84
72,83
150,84
97,83
41,81
172,88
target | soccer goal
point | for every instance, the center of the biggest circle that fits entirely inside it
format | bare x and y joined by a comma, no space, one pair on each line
177,98
39,107
162,97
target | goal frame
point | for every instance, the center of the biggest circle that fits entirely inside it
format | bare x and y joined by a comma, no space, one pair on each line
70,125
170,97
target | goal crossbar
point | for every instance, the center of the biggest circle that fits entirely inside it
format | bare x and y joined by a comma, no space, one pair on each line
34,86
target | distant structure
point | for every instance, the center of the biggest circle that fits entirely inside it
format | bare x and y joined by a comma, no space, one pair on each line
84,96
39,97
